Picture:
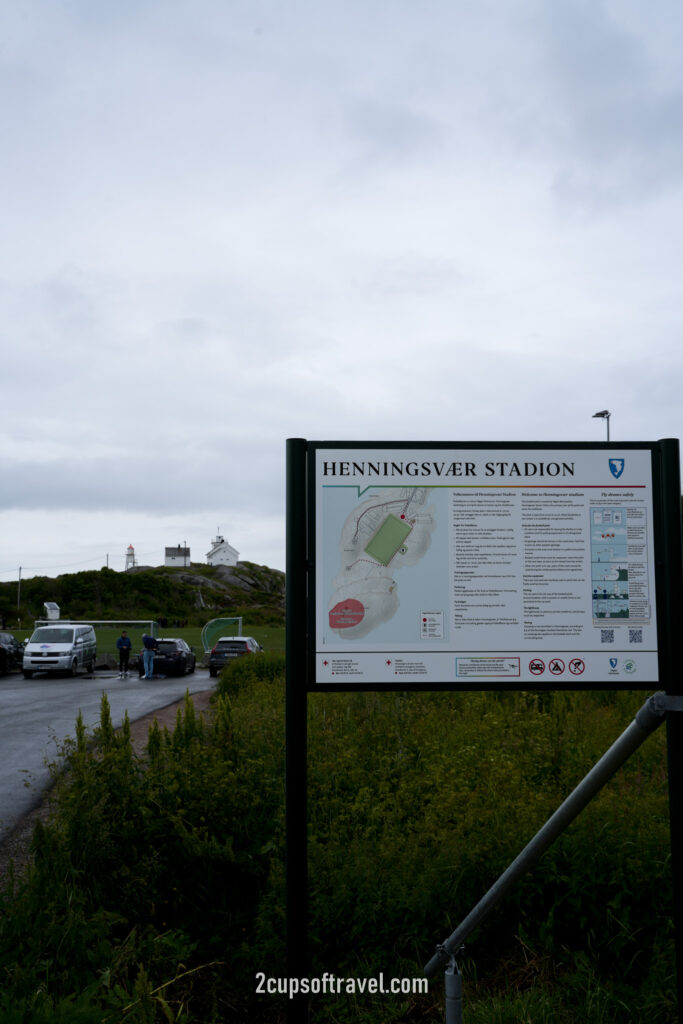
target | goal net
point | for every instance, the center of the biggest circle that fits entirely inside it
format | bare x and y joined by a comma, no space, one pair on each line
109,630
217,628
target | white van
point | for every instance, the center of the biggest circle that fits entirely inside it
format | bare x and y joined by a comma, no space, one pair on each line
64,648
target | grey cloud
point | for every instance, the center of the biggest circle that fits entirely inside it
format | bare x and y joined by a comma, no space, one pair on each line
616,129
389,132
632,152
225,225
162,482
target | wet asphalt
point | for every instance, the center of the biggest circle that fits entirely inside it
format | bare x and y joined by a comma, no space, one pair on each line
38,714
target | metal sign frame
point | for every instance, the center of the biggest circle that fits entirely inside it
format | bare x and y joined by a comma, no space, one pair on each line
657,495
301,636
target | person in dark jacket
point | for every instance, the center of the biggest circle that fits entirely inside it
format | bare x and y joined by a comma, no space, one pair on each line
124,645
149,647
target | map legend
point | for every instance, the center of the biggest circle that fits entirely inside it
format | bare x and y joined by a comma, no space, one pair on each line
431,625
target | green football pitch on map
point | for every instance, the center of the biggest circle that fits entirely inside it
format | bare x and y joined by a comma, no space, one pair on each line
388,539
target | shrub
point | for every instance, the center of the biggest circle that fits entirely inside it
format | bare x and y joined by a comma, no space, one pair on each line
151,864
158,888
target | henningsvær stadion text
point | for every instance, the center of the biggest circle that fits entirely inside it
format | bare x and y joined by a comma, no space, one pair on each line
448,469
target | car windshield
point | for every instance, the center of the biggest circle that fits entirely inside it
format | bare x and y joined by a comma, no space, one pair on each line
232,645
53,635
166,647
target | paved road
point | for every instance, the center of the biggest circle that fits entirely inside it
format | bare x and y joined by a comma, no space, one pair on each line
36,715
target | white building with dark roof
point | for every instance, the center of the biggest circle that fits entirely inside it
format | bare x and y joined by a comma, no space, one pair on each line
177,556
222,553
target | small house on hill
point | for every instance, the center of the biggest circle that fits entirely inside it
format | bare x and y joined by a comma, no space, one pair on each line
222,553
177,556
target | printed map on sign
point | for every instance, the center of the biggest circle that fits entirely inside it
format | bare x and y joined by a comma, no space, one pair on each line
389,531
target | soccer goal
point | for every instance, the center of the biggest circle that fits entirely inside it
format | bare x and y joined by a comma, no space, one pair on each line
109,630
220,627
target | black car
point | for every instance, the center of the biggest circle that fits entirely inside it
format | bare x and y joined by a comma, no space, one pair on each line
230,647
173,657
11,653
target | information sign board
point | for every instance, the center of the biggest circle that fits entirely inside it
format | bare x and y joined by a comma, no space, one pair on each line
478,566
483,566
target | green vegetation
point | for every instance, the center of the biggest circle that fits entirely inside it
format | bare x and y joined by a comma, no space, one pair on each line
144,885
188,596
182,601
157,890
271,638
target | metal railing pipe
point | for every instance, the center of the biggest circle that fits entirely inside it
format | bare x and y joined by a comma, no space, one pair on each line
648,718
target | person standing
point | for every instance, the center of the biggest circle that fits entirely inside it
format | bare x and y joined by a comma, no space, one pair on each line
124,645
149,647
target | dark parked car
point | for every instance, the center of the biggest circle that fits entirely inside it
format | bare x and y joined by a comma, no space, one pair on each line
11,653
173,657
230,647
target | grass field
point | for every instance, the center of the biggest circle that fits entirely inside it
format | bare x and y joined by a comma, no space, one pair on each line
271,638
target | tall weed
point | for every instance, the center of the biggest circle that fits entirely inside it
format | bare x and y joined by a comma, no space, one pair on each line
158,887
151,864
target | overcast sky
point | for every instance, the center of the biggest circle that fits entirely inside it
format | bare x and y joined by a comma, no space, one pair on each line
225,223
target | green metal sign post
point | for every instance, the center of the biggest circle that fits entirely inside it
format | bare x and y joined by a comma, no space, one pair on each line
296,709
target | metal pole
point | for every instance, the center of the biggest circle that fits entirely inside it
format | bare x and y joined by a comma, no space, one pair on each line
671,605
296,711
453,987
646,721
674,730
604,414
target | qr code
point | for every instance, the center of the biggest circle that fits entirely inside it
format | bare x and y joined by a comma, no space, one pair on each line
635,636
606,636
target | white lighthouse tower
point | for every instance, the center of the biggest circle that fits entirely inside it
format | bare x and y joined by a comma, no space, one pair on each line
221,552
130,557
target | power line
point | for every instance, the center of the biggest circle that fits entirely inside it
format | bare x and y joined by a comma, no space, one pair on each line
64,565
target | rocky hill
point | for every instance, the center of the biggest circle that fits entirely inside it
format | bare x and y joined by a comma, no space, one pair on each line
187,594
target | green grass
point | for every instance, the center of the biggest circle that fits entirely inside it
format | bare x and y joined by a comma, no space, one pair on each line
271,638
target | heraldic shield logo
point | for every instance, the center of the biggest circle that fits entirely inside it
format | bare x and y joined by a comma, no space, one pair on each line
616,467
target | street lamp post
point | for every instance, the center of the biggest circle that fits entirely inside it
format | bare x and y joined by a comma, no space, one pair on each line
604,415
